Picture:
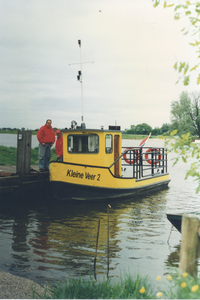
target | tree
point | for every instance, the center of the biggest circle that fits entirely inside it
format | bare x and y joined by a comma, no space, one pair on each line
184,148
185,114
191,11
155,131
143,129
165,128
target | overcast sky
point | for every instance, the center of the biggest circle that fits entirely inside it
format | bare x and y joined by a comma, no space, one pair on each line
133,46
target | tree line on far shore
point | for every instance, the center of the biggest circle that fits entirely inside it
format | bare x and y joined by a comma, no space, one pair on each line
185,117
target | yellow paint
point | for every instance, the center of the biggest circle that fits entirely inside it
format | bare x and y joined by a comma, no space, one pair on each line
96,176
92,169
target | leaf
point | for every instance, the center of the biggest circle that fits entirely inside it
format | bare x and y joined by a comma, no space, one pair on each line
197,43
188,13
184,159
156,3
177,7
181,67
173,132
186,69
188,2
176,17
194,68
198,79
183,151
186,80
175,66
175,161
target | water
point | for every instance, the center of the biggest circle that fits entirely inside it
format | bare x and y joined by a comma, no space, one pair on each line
43,239
10,140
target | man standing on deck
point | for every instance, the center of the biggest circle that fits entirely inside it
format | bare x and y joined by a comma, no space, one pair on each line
59,145
46,138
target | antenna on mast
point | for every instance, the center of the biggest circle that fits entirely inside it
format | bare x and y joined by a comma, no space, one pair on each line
80,76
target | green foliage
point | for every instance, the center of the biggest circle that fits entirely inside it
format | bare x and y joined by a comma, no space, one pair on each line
133,136
8,155
127,288
139,129
144,129
185,148
185,114
176,287
190,11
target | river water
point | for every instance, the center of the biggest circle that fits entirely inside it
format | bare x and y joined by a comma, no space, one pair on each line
43,239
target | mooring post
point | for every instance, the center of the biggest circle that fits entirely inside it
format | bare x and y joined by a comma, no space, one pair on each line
23,151
189,244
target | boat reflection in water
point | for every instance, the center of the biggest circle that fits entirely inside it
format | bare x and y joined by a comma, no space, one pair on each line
44,239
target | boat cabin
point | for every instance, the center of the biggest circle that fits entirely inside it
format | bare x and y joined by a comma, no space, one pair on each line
93,147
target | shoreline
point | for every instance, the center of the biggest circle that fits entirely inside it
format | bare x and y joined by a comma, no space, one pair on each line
16,287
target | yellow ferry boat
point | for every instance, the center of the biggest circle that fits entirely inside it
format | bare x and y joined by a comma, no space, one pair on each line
95,166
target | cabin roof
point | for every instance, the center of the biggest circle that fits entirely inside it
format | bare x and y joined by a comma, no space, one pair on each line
81,130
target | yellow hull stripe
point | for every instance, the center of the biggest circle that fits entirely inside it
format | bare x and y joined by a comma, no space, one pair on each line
97,176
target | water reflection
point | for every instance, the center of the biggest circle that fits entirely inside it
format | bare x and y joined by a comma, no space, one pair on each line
49,239
43,239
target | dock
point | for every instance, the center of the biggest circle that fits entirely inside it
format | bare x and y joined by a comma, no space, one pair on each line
23,176
11,181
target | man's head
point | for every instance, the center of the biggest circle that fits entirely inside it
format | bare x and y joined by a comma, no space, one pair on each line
48,123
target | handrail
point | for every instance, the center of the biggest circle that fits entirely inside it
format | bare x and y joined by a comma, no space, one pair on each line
117,159
121,156
140,169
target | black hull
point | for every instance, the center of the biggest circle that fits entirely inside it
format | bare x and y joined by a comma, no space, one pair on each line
68,191
175,220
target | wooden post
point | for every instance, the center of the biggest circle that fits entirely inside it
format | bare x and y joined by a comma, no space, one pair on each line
23,151
95,258
108,240
189,244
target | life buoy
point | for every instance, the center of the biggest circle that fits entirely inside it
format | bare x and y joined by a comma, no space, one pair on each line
149,160
128,161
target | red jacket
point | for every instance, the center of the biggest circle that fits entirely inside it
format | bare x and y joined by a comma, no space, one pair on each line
59,146
46,135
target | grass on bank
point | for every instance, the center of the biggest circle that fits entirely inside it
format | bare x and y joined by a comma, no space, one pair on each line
176,287
8,155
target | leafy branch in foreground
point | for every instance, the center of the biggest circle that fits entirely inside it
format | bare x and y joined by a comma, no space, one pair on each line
187,150
191,11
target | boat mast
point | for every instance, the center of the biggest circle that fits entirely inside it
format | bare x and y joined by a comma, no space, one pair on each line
80,76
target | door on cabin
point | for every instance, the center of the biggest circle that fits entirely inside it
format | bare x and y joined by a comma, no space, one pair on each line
116,155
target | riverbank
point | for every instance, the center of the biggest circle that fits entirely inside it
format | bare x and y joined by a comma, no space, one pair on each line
178,287
15,287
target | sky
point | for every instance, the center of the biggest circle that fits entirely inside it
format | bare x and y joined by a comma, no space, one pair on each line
128,50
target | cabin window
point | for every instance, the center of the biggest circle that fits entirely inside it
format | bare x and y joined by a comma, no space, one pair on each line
109,143
83,143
